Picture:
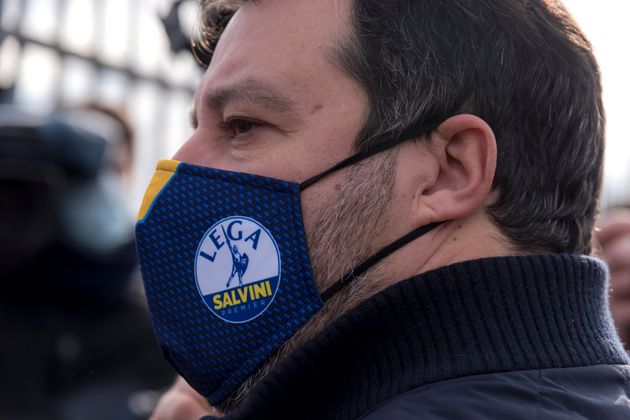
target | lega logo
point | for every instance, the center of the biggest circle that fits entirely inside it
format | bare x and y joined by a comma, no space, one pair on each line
237,269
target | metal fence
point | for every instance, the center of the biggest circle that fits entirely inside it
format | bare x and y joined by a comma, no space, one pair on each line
115,52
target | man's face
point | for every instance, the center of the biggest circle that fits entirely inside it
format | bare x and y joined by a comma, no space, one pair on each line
274,103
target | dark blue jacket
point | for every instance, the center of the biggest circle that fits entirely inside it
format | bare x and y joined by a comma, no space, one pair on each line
501,338
590,392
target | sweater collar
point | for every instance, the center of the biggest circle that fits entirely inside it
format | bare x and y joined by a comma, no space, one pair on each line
476,317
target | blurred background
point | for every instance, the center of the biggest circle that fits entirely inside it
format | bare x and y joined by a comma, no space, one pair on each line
92,94
114,52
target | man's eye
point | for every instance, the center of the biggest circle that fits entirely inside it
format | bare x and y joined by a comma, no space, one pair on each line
239,126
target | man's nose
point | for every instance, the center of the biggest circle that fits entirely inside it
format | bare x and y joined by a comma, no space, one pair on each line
186,152
198,152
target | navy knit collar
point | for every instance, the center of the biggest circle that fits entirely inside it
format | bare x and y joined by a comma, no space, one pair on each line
476,317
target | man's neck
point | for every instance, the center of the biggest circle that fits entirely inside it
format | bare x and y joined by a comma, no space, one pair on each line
470,238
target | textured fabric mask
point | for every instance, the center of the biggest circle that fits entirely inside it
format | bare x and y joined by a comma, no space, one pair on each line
226,269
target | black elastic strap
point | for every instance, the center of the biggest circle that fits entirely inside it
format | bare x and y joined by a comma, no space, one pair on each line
347,162
413,132
383,253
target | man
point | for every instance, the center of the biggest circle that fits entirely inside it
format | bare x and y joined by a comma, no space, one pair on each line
239,266
449,249
239,263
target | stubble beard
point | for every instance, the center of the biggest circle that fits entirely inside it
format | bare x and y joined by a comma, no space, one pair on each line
342,237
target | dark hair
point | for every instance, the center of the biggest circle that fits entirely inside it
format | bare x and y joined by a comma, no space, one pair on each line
521,65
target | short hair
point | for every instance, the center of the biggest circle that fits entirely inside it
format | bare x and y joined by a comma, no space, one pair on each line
523,66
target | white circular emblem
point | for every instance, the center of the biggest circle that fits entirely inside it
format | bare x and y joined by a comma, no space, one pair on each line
237,269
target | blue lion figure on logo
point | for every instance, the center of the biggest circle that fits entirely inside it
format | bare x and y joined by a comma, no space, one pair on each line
239,265
239,262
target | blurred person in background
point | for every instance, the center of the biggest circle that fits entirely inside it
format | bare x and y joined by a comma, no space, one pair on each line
415,184
614,239
75,344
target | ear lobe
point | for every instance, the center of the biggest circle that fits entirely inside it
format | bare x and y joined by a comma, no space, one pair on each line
465,149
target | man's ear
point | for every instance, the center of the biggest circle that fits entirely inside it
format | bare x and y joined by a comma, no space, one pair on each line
465,153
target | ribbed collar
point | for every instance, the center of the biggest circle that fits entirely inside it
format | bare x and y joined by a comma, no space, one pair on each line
476,317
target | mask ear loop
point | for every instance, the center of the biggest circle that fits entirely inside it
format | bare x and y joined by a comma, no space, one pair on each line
407,135
394,246
374,259
348,162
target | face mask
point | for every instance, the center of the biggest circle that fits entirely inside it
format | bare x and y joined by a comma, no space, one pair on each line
226,269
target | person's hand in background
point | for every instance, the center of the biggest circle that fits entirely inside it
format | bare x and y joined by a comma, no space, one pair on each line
614,238
182,402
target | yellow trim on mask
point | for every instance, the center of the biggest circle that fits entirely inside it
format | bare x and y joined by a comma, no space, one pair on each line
163,173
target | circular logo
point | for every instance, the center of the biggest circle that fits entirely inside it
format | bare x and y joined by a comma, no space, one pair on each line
237,269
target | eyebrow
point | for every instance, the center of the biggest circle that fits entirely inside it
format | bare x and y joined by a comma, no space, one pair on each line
250,92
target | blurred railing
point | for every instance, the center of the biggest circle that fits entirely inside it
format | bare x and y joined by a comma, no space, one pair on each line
115,52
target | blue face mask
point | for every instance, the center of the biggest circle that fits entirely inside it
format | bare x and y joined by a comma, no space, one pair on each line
226,269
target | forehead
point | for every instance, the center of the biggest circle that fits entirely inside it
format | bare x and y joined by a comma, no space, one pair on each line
289,43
